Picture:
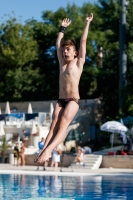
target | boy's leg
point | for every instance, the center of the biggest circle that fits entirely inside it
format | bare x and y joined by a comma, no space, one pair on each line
67,116
54,127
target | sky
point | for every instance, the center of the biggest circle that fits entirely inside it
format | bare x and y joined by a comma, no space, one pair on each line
27,9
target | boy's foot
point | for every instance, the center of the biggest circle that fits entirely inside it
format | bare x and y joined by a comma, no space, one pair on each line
39,154
45,155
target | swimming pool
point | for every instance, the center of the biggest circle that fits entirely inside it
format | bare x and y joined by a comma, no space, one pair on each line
35,187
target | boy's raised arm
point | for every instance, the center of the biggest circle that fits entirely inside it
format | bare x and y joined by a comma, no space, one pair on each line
82,48
65,23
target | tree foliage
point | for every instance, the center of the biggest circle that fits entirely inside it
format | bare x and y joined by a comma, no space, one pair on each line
18,52
128,90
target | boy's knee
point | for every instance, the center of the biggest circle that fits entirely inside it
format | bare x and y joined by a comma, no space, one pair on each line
54,121
64,123
63,126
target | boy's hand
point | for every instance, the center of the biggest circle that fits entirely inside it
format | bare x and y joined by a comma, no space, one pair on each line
66,22
90,18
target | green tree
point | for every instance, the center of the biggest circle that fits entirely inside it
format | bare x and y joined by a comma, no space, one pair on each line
108,76
128,90
18,52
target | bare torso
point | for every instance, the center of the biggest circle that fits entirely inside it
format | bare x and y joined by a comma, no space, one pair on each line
69,79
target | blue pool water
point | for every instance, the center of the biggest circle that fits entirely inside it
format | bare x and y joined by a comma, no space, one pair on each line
18,187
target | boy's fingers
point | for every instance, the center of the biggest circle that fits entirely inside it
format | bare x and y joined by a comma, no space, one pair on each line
66,20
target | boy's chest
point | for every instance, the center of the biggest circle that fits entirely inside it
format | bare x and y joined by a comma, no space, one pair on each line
69,70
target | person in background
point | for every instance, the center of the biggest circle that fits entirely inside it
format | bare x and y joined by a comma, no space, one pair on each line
80,156
22,156
40,146
26,136
87,150
26,133
16,155
56,157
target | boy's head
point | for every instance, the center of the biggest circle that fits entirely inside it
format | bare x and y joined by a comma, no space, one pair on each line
70,49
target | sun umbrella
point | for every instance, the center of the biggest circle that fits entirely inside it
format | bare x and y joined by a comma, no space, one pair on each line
2,132
33,129
51,111
51,108
113,127
7,110
30,109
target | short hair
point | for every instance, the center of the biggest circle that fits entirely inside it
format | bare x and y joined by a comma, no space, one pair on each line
70,43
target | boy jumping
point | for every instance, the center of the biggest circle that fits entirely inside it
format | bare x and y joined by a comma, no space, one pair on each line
71,61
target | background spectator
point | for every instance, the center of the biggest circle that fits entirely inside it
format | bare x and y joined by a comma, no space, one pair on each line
22,156
16,155
56,157
26,137
80,155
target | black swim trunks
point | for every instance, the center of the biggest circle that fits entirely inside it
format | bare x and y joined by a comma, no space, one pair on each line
64,102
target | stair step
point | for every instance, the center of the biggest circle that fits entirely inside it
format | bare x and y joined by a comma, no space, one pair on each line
86,163
91,156
90,159
81,166
90,162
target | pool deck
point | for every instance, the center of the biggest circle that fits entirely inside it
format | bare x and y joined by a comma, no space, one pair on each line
31,170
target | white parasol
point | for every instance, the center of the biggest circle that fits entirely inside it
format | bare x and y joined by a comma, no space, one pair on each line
113,127
7,109
33,129
51,109
30,109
